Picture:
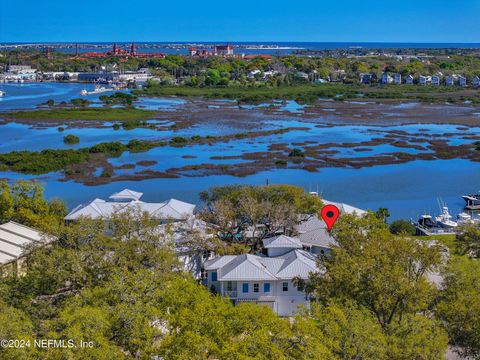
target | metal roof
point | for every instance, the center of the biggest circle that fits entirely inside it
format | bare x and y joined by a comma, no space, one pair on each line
126,194
98,208
16,239
282,241
247,267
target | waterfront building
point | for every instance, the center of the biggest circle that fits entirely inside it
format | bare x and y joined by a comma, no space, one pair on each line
264,279
99,77
128,200
140,76
117,51
397,79
218,50
450,80
462,81
223,50
365,78
409,80
476,81
386,78
435,80
20,69
424,80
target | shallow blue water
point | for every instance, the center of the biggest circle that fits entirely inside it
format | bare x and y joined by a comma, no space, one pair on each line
407,190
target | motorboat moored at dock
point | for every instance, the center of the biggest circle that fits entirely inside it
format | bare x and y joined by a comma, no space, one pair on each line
445,219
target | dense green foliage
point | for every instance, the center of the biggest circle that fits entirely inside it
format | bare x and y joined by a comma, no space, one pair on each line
118,99
402,227
468,241
71,139
49,160
381,280
24,203
460,305
42,162
131,299
265,209
99,114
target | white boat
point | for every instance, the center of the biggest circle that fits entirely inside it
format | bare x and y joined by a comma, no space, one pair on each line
2,93
463,218
445,219
98,89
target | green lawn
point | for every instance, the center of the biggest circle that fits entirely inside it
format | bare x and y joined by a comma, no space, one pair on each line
106,114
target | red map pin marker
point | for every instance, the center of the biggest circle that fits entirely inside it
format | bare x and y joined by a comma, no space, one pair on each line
330,215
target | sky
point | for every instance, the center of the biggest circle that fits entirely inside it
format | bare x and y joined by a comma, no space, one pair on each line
236,21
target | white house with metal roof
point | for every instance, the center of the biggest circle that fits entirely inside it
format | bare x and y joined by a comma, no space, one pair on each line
16,241
266,280
129,200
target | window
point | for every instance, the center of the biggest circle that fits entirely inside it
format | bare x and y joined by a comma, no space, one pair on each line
300,287
256,287
285,286
229,286
266,287
214,276
245,287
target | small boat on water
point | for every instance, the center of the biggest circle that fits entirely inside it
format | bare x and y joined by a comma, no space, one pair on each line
444,220
98,89
2,93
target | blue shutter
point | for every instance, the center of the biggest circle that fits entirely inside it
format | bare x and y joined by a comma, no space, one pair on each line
245,287
214,276
266,287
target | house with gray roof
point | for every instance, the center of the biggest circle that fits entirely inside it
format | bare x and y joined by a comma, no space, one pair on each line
265,280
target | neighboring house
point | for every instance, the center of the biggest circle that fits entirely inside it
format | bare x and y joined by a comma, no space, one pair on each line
409,80
128,200
435,80
190,239
266,280
386,79
16,241
462,81
424,80
397,79
476,81
366,78
449,80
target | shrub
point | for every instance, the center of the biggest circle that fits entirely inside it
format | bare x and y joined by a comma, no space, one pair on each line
71,139
178,140
402,226
296,153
